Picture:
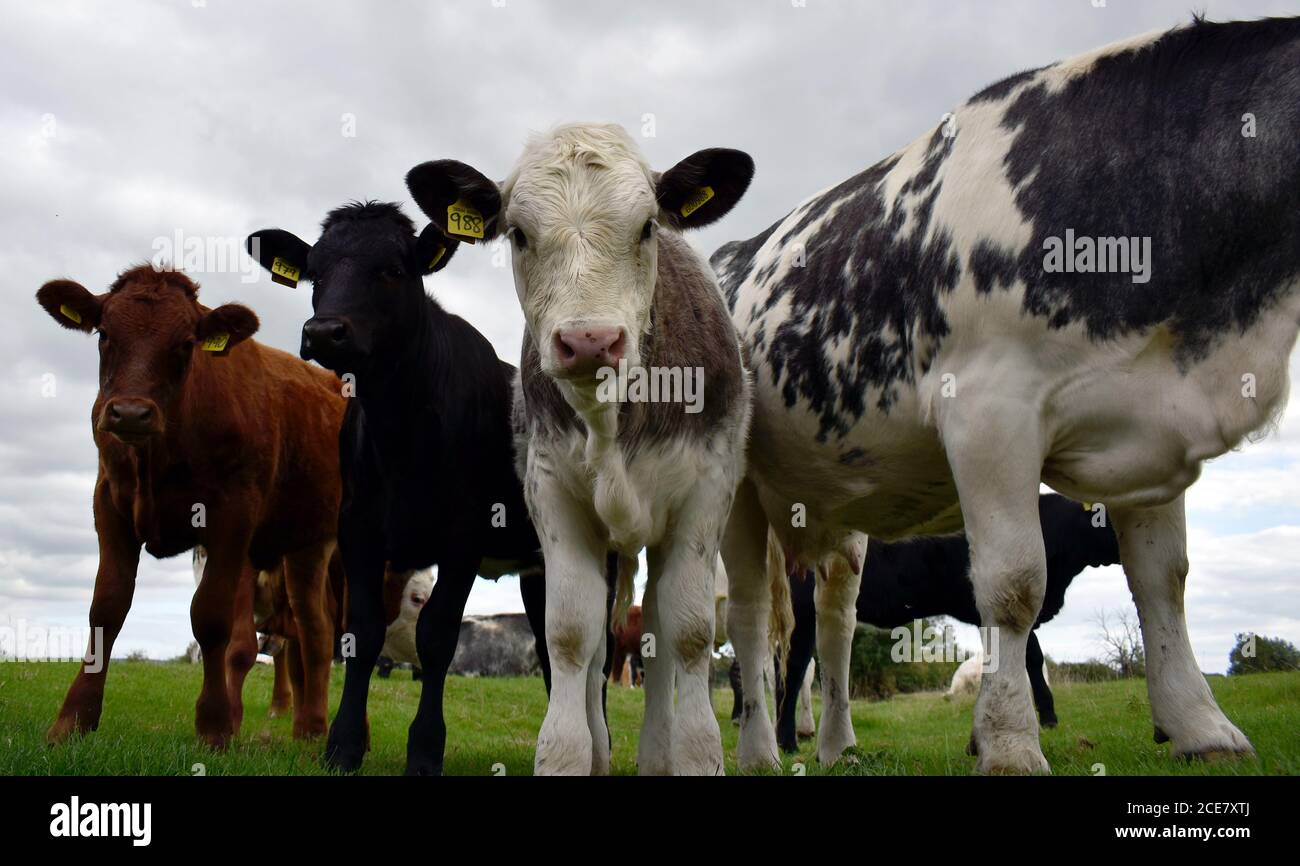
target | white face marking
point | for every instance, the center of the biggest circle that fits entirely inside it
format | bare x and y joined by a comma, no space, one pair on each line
576,208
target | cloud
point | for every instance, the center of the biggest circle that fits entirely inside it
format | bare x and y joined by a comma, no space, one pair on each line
128,124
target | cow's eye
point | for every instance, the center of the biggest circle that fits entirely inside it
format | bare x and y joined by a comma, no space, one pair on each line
520,239
393,273
647,230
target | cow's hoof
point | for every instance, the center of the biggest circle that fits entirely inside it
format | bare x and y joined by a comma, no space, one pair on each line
218,741
1218,740
788,746
1023,761
1159,736
343,759
65,729
423,767
973,747
806,735
1048,723
309,730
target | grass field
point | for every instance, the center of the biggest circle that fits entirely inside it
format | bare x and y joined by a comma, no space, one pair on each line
147,728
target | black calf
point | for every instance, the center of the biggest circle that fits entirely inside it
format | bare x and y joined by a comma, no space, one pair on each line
426,451
927,577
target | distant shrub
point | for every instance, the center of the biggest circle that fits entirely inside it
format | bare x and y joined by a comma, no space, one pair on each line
873,673
1091,671
1256,654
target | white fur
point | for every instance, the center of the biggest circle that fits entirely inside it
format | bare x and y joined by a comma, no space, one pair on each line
581,195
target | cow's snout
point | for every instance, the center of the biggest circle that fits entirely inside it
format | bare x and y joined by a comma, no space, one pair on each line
581,351
324,338
130,419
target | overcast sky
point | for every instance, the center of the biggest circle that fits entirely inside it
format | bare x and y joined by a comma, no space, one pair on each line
128,122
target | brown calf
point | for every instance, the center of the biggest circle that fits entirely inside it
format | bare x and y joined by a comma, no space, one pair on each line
627,648
205,437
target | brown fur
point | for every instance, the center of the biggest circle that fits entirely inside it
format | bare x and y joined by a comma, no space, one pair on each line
627,644
250,432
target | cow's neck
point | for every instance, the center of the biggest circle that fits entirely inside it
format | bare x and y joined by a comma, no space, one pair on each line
396,394
620,507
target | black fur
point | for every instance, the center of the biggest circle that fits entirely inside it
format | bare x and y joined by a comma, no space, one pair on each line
426,455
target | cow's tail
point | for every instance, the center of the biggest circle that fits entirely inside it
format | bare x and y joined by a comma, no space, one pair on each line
624,589
780,620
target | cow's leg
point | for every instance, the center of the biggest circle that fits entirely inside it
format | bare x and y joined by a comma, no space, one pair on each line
212,614
837,618
576,620
305,577
737,690
119,556
617,664
744,550
802,639
687,566
655,749
532,588
363,563
297,678
242,653
807,725
1042,692
994,452
1153,549
597,684
436,634
281,692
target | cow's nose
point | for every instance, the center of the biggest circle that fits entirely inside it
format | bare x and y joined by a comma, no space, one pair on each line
129,414
130,418
584,350
323,336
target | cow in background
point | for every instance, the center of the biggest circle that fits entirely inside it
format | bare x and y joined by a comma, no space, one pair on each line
927,577
627,649
426,451
205,437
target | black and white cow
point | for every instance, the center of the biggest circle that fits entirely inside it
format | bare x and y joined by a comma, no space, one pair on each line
1088,276
426,451
613,296
927,577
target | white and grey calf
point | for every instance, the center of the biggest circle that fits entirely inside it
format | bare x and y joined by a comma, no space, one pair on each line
927,349
613,296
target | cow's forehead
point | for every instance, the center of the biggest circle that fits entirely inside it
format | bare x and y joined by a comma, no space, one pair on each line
150,309
594,170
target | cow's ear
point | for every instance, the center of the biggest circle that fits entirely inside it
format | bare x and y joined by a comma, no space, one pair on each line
282,253
458,198
227,326
71,304
704,186
432,250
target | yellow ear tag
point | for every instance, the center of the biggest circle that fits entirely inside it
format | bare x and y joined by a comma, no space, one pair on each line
697,200
70,313
1087,506
215,343
437,257
464,220
284,273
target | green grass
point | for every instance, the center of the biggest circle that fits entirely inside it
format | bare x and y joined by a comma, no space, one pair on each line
147,728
